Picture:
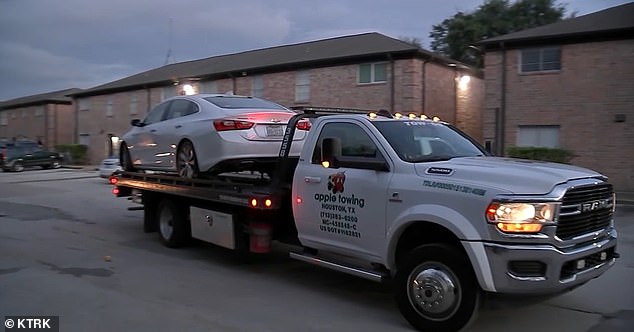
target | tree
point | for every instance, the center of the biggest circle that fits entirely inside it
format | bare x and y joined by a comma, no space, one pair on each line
456,36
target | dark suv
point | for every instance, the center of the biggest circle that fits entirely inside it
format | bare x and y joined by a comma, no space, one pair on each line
15,155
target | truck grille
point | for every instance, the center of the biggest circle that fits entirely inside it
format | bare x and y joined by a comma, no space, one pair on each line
585,209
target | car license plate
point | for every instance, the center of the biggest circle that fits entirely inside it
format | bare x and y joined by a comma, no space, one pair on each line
274,130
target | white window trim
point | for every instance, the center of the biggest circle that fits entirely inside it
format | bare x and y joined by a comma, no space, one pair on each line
302,81
372,73
521,63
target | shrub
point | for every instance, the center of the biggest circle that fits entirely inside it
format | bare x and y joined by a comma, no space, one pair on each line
540,153
73,153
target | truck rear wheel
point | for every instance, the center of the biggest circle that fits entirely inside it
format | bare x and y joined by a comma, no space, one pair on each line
173,224
436,289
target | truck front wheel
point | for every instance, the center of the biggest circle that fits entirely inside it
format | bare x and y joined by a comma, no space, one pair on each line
173,224
436,288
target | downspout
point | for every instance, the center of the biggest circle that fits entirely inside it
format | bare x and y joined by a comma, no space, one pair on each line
424,82
149,100
503,104
46,141
392,82
76,121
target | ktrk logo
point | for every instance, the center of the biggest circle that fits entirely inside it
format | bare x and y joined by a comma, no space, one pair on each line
336,181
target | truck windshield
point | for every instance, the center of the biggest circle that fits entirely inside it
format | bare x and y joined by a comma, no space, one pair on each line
424,141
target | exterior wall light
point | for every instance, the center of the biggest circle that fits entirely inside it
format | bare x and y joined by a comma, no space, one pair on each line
463,82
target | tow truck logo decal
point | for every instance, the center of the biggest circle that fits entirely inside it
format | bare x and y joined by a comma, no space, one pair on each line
336,181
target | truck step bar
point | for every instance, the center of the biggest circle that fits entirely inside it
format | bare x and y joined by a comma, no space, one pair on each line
355,271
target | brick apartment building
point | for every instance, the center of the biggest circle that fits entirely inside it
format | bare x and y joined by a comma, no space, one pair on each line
47,117
366,71
570,85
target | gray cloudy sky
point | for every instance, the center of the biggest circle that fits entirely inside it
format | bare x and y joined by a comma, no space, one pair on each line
49,45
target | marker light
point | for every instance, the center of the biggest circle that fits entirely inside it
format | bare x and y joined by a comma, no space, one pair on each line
398,115
254,202
113,180
325,163
372,115
436,119
299,200
521,217
303,125
423,117
268,202
115,191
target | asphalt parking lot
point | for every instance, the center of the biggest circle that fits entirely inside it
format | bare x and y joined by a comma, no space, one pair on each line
68,248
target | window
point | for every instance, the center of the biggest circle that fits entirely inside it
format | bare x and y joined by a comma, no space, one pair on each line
84,104
134,104
540,59
355,142
156,114
109,108
4,121
257,86
39,111
372,72
168,92
209,87
538,136
181,107
302,86
84,139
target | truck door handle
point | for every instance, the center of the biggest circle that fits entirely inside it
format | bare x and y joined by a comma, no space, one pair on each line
153,130
178,126
312,179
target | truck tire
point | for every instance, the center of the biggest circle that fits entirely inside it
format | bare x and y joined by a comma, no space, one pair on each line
436,289
173,224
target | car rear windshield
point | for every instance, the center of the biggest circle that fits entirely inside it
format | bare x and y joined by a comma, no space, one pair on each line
424,141
236,102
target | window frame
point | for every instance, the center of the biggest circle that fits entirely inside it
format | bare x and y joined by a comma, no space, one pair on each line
540,63
302,86
373,75
540,135
340,127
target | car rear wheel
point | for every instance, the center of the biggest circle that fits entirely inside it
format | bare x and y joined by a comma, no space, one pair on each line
125,159
186,163
17,167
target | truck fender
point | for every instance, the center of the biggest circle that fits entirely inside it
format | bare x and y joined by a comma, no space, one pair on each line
455,223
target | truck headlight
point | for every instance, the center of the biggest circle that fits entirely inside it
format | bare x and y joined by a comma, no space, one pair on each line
521,217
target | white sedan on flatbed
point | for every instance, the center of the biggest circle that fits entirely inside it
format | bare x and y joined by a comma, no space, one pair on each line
193,135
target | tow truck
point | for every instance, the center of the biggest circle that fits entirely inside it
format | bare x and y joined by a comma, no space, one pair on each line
404,199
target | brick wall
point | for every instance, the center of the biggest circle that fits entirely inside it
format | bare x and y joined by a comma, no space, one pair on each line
329,87
595,85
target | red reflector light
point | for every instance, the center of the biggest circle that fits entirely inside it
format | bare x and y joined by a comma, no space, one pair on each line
115,191
113,180
303,125
299,200
224,125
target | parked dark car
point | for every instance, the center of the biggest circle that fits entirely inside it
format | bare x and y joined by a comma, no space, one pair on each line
18,154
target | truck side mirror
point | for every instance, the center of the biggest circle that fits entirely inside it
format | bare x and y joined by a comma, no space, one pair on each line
330,150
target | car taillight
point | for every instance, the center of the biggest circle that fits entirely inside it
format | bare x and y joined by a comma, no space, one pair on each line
303,125
224,125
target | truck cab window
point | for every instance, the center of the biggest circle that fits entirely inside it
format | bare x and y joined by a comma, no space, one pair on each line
355,142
